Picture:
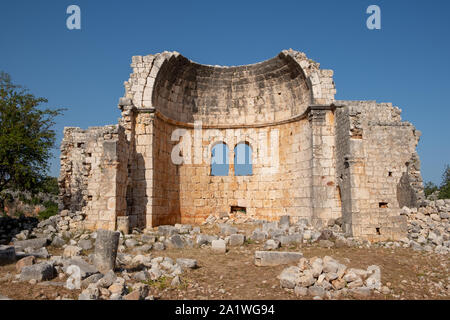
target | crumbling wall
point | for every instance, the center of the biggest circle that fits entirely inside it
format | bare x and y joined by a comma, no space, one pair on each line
94,174
377,149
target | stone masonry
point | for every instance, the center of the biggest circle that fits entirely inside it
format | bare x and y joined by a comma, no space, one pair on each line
313,157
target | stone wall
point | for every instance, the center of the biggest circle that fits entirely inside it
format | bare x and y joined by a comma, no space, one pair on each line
374,155
94,174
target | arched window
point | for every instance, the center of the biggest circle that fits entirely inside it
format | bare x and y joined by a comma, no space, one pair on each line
219,160
243,160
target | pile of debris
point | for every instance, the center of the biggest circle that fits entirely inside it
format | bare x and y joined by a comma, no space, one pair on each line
327,278
429,226
234,217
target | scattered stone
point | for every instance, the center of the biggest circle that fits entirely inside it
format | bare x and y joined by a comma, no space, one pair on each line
134,295
7,255
362,292
301,291
106,250
385,290
274,258
130,243
271,244
285,222
90,293
227,230
175,281
203,239
288,278
25,262
268,226
167,230
58,242
74,280
31,243
141,276
374,280
41,253
159,246
91,279
39,272
85,244
326,235
219,246
86,269
71,251
259,235
330,265
316,291
117,288
326,244
236,240
107,280
187,263
176,242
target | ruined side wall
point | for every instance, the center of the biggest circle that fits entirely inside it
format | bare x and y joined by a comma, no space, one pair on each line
94,174
375,150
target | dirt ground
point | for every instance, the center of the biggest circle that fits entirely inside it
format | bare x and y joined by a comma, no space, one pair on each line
409,275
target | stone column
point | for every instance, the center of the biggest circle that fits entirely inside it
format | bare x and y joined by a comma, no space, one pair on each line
143,169
322,164
106,250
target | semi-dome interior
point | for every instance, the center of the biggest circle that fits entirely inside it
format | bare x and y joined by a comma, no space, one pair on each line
269,91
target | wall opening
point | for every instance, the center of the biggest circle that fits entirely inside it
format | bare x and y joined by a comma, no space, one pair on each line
338,197
237,209
378,231
243,160
382,204
356,134
219,160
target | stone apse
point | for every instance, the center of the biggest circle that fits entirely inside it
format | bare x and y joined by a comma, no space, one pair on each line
312,157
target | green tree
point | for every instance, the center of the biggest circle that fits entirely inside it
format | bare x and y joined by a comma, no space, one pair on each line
430,188
444,190
26,137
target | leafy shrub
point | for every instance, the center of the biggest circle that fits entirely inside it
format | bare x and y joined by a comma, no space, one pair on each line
430,188
51,209
444,190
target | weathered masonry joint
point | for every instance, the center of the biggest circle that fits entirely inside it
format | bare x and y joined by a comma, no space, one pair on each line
327,159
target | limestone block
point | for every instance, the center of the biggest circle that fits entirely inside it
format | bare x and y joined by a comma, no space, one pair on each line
275,258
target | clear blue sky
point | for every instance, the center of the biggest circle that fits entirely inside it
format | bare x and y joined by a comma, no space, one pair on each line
407,62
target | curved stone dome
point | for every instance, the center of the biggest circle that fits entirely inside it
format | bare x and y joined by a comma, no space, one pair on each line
272,90
262,93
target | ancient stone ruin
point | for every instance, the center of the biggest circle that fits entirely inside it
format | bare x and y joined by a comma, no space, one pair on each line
312,157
